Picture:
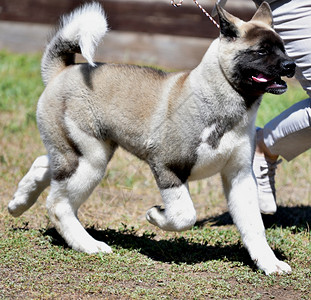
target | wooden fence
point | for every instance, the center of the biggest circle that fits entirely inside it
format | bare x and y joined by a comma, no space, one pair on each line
149,32
149,16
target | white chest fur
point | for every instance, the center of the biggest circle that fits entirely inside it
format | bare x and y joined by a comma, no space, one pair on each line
212,160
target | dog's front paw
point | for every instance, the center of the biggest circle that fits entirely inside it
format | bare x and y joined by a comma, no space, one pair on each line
280,267
155,216
274,267
178,220
94,247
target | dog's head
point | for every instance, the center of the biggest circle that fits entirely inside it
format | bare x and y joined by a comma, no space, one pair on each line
252,55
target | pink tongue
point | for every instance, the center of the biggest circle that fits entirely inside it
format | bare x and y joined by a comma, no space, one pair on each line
261,78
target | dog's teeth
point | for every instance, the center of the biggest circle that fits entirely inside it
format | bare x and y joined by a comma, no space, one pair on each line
276,86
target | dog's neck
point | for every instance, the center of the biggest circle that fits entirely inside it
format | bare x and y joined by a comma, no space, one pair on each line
209,81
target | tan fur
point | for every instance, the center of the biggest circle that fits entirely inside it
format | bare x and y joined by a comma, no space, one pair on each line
264,15
177,90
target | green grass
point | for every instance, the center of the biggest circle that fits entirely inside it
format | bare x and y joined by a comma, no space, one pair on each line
207,262
20,81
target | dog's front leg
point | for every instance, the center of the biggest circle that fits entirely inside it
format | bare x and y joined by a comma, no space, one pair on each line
179,213
241,191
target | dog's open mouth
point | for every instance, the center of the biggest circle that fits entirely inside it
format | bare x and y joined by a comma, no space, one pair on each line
273,85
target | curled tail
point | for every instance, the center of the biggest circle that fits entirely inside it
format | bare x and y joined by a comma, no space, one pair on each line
79,32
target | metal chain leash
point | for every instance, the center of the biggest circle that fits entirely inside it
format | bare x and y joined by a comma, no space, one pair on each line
200,7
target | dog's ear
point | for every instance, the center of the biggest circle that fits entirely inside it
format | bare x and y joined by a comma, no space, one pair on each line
227,23
263,14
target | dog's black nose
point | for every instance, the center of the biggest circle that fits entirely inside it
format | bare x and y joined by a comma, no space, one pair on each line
289,68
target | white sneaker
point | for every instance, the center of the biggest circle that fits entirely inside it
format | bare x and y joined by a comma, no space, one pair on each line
264,170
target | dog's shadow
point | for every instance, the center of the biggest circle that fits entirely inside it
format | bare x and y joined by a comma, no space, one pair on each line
175,250
298,217
185,250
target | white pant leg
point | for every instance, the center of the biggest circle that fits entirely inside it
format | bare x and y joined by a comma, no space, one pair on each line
292,21
289,134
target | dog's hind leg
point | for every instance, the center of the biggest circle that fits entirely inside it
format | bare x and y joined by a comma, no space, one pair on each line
68,194
31,186
178,214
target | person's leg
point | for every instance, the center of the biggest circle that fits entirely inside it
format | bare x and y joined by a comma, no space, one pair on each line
289,134
292,21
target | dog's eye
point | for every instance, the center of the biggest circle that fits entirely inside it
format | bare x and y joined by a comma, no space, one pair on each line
262,52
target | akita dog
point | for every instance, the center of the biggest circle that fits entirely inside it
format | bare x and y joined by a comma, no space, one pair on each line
184,125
